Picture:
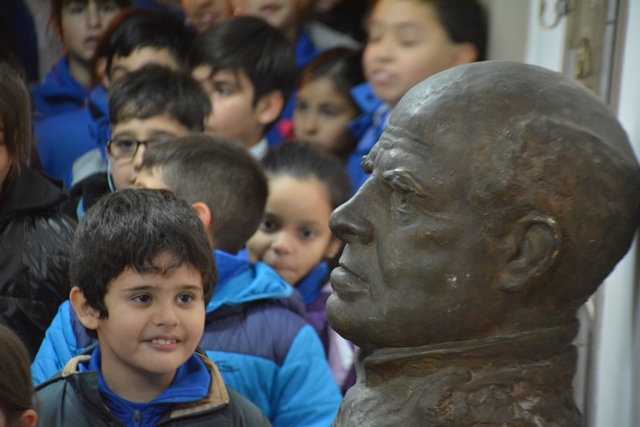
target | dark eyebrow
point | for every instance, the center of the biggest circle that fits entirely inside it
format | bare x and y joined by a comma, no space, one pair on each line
146,288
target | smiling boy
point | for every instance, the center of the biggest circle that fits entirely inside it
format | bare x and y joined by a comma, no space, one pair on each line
143,273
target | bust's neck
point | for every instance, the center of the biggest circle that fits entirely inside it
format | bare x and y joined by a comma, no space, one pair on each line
518,348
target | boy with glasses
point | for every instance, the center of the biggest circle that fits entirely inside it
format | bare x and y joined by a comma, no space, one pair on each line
151,105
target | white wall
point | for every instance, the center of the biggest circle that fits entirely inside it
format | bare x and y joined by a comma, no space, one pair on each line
616,382
615,401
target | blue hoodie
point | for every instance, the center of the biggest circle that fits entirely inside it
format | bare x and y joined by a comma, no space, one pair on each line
64,138
190,384
58,92
368,128
262,345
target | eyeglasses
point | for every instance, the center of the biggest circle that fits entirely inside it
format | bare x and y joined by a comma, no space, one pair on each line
125,148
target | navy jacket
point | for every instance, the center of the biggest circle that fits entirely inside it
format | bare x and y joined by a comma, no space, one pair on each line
74,398
34,249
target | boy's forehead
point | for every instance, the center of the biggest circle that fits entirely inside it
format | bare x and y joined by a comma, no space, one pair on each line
206,72
146,127
138,58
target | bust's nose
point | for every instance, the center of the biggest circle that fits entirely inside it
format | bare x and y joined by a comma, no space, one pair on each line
350,222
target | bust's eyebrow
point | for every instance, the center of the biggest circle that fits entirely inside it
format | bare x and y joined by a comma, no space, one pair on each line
404,181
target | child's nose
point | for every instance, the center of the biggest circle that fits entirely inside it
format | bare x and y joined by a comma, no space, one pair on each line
282,244
166,315
93,16
310,124
382,50
137,158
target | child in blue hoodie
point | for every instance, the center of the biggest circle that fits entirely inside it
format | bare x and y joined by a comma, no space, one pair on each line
255,329
79,23
308,37
150,105
294,238
407,42
71,145
143,274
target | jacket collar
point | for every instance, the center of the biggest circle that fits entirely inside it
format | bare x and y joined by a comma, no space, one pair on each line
87,383
31,191
522,347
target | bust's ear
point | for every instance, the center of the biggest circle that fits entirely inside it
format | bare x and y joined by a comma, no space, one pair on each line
88,316
531,248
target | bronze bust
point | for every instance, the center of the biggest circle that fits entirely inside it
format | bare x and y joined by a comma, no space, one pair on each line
501,195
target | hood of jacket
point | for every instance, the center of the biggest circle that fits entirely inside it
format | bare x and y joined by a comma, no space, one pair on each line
59,83
31,191
240,282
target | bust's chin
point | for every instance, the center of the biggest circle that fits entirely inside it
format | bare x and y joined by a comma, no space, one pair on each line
340,317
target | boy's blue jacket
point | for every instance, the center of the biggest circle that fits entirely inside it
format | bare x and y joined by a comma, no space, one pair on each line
64,138
58,92
261,344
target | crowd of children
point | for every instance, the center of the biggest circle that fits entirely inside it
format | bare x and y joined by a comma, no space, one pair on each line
172,206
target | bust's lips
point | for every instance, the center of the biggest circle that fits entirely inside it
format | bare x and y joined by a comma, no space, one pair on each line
347,284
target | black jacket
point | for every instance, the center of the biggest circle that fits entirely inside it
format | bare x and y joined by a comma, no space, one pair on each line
72,399
34,245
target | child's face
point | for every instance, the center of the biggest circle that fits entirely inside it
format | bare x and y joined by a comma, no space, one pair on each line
321,117
155,323
281,14
205,13
82,23
121,151
406,45
294,235
233,114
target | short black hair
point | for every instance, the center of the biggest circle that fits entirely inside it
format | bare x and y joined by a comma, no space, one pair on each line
302,161
219,173
130,229
251,45
464,20
154,90
57,5
149,29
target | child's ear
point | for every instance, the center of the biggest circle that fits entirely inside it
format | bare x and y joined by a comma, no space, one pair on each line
466,53
334,247
28,418
88,316
204,213
269,107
